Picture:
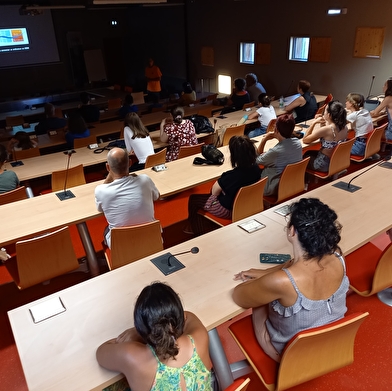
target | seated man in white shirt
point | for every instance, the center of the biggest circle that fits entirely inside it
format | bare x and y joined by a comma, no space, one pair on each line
125,199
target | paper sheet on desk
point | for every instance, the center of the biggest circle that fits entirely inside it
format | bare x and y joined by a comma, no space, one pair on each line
290,98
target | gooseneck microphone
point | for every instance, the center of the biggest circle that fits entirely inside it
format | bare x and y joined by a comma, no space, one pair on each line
168,263
352,188
66,194
288,90
193,250
385,159
371,86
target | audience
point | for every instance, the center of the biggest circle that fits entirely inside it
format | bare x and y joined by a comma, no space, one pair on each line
177,132
153,75
264,114
238,98
287,151
127,107
51,122
89,112
331,129
167,349
125,199
360,121
188,95
305,106
220,202
137,140
8,179
253,87
77,128
308,291
387,105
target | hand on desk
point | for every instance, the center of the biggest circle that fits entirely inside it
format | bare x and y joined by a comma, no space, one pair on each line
249,274
129,335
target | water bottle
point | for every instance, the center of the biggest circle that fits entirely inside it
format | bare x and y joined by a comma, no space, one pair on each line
281,102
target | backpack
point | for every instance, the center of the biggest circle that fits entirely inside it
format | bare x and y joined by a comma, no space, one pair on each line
201,124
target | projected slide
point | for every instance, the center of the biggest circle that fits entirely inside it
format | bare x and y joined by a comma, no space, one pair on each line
13,39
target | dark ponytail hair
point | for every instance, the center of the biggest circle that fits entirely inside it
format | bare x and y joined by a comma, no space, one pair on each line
338,114
159,318
177,114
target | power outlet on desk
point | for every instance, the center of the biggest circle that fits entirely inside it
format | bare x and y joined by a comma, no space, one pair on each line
93,146
159,167
52,133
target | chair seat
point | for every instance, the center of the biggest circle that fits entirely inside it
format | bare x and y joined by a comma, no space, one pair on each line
309,354
361,265
267,368
218,220
320,174
357,158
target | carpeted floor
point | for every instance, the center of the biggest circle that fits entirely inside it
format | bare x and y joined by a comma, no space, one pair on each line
373,355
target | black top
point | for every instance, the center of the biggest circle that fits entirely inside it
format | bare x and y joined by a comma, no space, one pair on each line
231,181
308,110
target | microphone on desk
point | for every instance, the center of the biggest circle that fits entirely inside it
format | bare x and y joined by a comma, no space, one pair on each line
66,194
288,90
352,188
193,250
16,162
168,263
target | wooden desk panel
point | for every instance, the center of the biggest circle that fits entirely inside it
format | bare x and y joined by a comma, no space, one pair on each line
364,214
101,308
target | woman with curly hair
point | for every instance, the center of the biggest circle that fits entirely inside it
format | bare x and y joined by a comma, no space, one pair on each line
166,350
305,292
331,129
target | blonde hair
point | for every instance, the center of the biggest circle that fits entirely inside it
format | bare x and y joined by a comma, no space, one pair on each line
357,100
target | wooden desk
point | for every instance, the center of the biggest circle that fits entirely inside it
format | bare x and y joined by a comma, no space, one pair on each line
364,214
44,165
102,307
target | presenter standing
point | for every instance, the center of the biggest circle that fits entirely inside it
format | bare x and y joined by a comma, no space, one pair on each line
153,75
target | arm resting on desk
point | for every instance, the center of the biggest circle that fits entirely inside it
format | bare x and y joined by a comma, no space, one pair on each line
261,286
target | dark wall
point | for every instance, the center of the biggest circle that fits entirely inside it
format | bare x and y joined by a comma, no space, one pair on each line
141,32
223,24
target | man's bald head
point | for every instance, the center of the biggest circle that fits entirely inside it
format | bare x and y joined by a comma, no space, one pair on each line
118,161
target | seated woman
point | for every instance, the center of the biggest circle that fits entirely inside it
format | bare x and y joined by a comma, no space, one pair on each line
386,105
287,151
21,141
188,95
238,98
360,121
8,179
264,114
331,129
220,202
177,132
305,106
127,107
137,140
166,350
307,291
77,128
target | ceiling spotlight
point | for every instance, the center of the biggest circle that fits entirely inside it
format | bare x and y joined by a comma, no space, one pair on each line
337,11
